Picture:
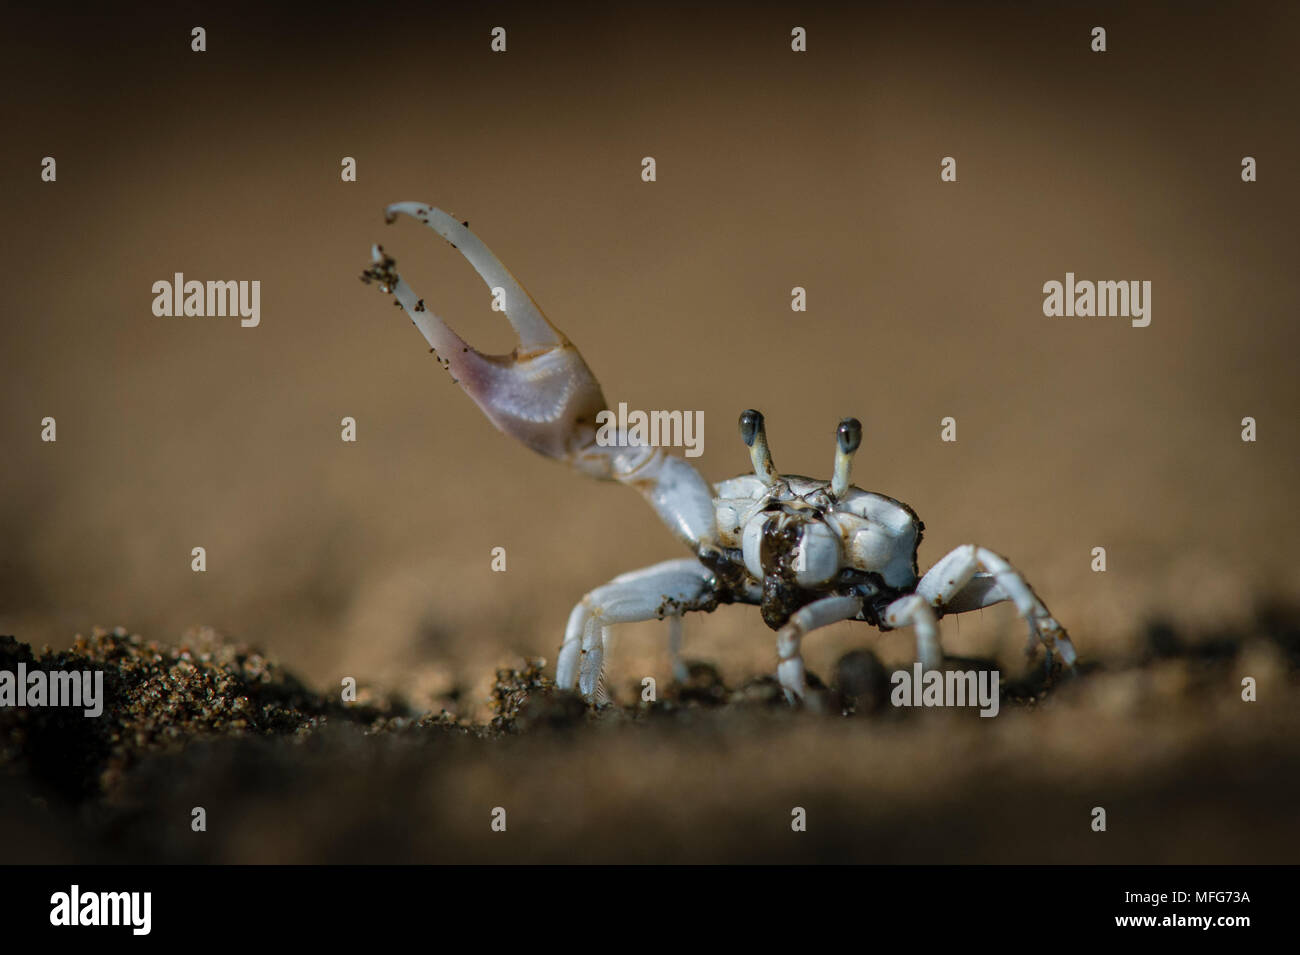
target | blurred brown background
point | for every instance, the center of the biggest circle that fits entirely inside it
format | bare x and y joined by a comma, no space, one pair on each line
775,169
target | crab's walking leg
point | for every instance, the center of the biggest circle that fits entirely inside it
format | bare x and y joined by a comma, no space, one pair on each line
543,393
913,611
667,589
972,577
821,613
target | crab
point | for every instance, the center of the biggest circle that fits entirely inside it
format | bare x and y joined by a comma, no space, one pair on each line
808,553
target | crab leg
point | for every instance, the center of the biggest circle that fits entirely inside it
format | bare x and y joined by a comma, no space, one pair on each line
542,393
667,589
914,611
971,577
820,613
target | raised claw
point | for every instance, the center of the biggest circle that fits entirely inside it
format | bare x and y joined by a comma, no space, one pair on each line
542,393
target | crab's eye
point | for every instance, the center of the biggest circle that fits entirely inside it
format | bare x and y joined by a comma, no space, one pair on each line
849,435
755,438
751,423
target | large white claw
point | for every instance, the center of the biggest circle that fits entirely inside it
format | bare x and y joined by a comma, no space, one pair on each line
542,393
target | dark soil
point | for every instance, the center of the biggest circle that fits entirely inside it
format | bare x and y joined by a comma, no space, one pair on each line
1186,770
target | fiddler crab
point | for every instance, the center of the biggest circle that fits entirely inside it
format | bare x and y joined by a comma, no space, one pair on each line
807,553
